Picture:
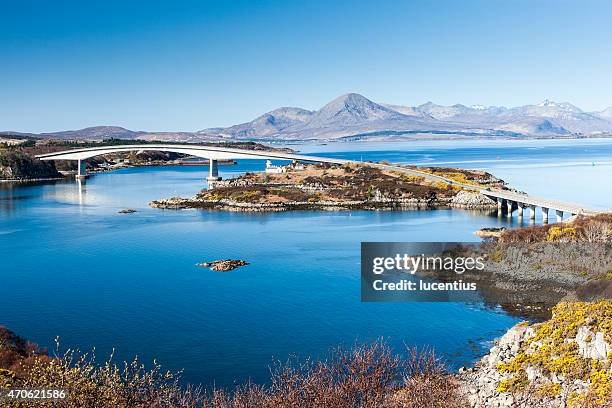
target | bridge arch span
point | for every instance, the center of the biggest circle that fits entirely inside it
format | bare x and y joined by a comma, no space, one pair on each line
212,153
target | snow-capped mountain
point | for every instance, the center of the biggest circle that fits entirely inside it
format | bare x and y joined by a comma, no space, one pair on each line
353,116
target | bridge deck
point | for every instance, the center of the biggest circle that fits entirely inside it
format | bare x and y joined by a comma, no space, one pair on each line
218,152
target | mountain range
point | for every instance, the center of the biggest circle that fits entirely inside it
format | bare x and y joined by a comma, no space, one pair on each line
353,116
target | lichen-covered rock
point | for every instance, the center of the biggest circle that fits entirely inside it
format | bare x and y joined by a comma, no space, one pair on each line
562,362
593,345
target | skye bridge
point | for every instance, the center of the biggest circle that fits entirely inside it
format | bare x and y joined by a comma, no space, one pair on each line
507,200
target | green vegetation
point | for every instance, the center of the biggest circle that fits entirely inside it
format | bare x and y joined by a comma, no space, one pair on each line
15,164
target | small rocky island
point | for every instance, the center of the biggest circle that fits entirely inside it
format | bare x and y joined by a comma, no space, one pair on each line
340,187
224,265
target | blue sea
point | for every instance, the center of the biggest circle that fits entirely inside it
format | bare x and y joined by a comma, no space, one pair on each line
72,267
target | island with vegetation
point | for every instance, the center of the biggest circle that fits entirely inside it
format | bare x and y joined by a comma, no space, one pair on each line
339,187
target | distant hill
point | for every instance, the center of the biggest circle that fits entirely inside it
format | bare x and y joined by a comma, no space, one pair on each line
353,116
113,132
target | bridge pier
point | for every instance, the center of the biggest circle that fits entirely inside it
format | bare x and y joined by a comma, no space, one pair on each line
509,205
521,206
500,206
545,215
81,169
532,210
559,215
213,174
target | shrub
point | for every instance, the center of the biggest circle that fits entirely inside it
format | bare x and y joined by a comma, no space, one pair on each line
561,234
364,376
551,352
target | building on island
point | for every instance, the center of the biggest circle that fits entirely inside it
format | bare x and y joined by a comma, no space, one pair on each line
272,168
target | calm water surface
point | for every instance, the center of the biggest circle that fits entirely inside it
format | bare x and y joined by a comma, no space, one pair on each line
72,267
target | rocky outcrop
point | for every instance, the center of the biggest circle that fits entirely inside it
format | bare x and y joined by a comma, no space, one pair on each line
16,165
230,205
560,362
480,384
224,265
493,232
468,199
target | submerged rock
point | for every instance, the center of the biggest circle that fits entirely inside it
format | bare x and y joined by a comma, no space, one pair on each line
224,265
127,211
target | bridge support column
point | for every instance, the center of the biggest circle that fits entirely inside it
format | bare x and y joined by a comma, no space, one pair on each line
521,206
500,206
509,205
559,215
81,169
532,209
213,174
545,215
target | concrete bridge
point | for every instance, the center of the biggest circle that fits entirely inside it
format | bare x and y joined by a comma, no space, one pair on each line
507,201
212,153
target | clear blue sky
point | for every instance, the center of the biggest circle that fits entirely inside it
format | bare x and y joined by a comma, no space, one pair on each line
187,65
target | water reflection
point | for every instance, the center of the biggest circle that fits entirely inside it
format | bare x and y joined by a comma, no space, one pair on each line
80,185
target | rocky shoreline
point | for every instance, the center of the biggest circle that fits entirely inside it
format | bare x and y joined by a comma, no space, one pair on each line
28,180
464,200
565,361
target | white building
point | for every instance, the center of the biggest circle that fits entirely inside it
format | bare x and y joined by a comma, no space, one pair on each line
271,168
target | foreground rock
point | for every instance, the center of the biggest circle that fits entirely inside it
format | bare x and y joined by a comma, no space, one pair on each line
565,361
224,265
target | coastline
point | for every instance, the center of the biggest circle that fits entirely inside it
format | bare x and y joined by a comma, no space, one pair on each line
27,180
177,203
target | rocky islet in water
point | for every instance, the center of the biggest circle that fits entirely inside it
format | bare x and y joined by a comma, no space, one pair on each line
340,187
